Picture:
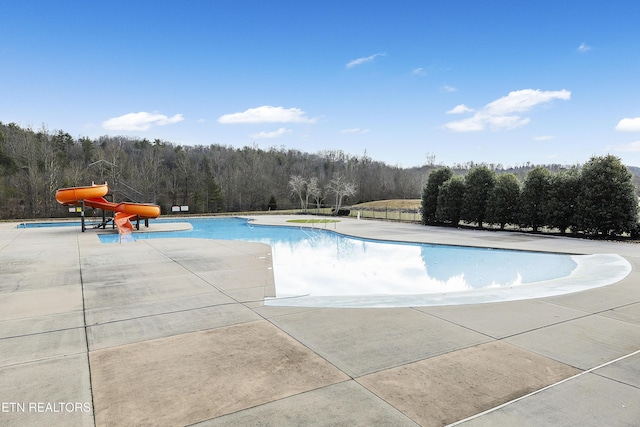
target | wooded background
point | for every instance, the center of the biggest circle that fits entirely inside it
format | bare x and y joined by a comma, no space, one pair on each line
208,179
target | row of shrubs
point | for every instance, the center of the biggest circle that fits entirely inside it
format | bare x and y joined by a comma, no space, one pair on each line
598,198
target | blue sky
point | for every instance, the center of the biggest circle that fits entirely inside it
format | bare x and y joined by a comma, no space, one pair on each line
497,81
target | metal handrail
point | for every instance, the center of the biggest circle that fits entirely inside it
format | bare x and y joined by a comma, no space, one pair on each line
120,182
141,196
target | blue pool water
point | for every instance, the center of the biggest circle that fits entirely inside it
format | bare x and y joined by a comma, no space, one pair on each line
49,224
322,263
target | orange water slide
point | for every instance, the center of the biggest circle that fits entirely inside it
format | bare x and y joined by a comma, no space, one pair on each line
93,196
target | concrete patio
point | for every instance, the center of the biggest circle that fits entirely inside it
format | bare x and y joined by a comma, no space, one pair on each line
175,332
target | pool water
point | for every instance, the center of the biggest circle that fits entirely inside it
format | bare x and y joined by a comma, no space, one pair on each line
320,265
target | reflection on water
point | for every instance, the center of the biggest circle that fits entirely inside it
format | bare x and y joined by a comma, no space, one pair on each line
328,264
323,263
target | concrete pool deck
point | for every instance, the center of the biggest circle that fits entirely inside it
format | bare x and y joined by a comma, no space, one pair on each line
175,332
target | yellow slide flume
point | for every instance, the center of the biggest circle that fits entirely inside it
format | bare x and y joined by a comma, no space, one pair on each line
93,196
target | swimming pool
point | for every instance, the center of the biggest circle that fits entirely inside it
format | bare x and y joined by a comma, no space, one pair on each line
315,267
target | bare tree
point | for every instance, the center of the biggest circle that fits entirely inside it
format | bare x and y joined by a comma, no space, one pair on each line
341,188
314,191
150,167
299,188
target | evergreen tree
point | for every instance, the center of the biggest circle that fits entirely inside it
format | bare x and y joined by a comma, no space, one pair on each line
430,193
607,203
450,199
564,188
272,205
533,198
214,196
502,207
479,183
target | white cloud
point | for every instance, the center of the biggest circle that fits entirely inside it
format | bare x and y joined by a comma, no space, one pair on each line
631,147
629,125
355,130
467,125
270,135
140,121
447,88
505,122
523,100
460,109
267,114
364,60
419,72
583,48
500,114
543,138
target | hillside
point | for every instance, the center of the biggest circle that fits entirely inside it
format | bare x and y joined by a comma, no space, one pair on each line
207,179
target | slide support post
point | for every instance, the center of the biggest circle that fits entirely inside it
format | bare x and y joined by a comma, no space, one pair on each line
82,216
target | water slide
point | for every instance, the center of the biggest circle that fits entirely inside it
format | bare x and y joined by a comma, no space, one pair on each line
93,196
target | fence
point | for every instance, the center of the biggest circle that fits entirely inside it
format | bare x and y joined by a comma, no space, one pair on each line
391,214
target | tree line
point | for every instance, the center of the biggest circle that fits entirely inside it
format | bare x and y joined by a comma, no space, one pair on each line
598,199
219,178
208,179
